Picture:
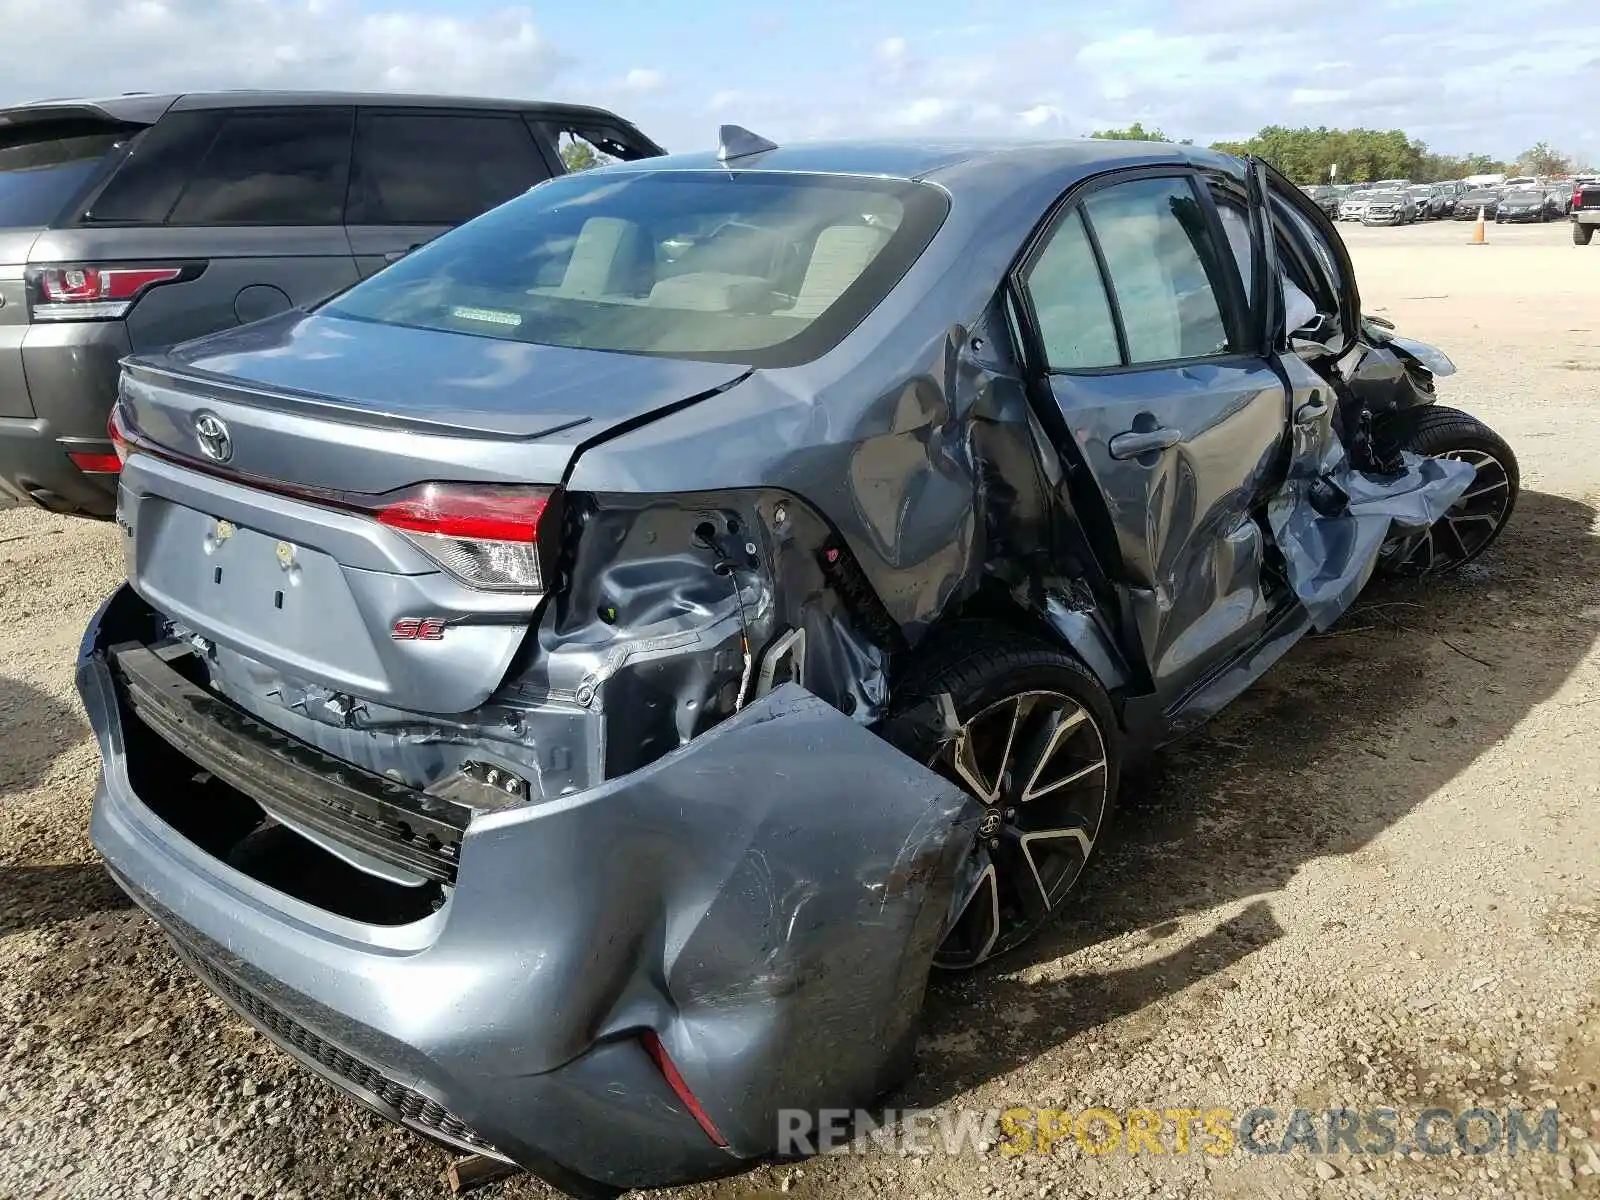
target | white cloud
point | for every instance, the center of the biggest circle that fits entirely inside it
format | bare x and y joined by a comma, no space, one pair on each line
643,79
156,45
1222,70
1318,96
923,111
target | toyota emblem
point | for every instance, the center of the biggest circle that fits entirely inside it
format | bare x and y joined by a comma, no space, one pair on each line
215,443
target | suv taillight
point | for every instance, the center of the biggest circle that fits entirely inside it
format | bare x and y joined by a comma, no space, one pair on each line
91,293
496,537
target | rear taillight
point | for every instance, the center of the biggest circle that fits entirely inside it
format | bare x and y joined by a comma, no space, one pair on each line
497,537
118,436
669,1071
93,463
92,293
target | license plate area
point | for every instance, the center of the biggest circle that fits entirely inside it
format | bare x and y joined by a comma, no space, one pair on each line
253,576
267,596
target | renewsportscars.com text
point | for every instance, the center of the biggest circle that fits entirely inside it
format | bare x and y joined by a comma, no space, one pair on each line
1213,1131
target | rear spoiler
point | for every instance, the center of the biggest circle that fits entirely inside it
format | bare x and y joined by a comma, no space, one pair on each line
123,110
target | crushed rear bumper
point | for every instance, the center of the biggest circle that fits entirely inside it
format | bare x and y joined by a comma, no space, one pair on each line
773,889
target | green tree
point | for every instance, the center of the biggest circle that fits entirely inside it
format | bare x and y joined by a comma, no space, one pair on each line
1308,155
1435,167
1543,159
579,155
1133,133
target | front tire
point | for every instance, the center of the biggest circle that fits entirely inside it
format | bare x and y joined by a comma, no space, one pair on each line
1476,519
1037,747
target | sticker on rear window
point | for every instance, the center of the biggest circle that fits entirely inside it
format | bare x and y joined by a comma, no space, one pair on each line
491,316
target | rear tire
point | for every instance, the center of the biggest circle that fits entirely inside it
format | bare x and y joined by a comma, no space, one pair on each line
1039,750
1581,234
1474,521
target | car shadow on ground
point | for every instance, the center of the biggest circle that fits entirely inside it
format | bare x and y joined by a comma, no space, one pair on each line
1340,741
35,730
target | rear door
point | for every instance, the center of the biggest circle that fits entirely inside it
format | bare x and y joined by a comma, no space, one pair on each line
250,201
1177,417
420,172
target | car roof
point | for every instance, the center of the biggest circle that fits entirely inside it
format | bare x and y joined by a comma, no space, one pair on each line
143,108
946,161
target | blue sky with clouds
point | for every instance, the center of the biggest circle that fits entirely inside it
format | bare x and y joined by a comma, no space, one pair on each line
1461,74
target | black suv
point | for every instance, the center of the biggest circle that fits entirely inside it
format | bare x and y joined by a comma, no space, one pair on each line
135,223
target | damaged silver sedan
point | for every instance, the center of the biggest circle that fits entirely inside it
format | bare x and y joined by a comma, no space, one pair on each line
572,687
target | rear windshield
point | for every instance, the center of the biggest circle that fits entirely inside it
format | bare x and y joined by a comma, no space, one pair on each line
42,169
752,267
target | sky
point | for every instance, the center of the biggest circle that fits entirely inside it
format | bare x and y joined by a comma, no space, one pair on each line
1462,75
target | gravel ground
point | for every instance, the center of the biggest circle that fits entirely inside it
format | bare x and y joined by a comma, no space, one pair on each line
1372,881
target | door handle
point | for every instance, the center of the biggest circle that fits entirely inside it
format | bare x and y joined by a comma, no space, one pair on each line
1133,443
397,255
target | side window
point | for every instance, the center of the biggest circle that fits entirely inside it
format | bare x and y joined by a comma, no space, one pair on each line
1300,292
158,166
1320,249
1236,226
439,168
1157,248
287,167
1069,301
579,153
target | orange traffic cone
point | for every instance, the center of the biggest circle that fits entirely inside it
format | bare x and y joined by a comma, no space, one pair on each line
1477,230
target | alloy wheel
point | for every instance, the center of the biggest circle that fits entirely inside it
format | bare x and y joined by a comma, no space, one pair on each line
1467,527
1037,763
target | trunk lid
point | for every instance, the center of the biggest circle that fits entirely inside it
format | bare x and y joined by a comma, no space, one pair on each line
336,402
238,553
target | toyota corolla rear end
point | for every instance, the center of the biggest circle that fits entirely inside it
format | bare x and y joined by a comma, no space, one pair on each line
500,804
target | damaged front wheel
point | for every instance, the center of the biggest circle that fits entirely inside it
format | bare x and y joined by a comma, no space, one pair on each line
1476,519
1028,733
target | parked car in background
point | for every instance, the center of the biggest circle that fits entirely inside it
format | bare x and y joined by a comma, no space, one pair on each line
1425,199
1450,191
1560,198
1518,204
1470,203
1327,197
1389,208
1355,204
571,697
1585,211
134,223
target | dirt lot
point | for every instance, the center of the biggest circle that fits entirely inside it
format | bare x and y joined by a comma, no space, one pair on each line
1372,882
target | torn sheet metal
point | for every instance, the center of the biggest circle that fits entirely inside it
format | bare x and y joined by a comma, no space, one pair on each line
1331,525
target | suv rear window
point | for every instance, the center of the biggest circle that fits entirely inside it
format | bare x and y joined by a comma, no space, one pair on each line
153,176
749,267
42,168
